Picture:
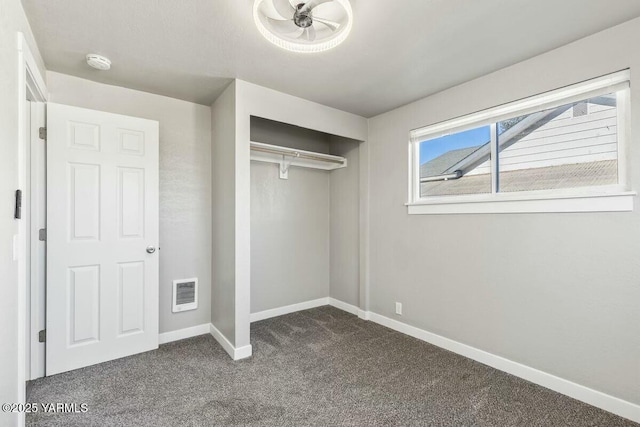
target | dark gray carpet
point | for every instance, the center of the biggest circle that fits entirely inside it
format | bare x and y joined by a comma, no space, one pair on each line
319,367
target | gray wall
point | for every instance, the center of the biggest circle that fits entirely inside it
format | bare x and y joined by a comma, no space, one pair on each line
289,222
223,185
12,19
286,135
185,182
345,223
557,292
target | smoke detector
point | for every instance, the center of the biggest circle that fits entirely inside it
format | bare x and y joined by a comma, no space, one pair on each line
98,62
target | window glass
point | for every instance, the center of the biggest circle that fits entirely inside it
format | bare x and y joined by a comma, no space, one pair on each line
456,164
571,146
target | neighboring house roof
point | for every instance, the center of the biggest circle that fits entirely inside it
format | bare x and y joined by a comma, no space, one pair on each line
546,178
441,163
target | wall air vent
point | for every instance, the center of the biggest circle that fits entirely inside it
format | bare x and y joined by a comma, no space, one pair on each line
185,295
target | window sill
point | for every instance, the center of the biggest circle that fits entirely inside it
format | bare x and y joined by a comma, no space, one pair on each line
619,201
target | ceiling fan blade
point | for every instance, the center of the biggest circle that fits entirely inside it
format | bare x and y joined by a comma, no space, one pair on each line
308,34
284,8
283,26
311,34
331,24
311,4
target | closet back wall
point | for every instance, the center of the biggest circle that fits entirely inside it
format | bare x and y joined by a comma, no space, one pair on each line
289,222
185,183
345,222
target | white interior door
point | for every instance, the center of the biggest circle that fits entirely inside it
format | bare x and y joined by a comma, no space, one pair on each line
102,231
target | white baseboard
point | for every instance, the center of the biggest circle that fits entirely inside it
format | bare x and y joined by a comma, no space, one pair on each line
364,315
275,312
592,397
236,353
181,334
288,309
243,352
349,308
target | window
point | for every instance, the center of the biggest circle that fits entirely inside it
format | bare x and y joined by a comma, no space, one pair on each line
555,152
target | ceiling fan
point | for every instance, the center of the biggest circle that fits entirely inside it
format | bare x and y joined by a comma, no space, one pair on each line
304,25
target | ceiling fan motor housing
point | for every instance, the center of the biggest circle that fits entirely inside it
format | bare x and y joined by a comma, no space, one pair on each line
302,17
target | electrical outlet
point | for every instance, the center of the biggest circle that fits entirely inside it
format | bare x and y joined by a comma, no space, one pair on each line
399,308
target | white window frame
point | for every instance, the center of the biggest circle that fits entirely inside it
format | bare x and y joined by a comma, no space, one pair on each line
612,198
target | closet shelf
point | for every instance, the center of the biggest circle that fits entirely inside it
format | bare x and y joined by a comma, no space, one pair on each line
292,157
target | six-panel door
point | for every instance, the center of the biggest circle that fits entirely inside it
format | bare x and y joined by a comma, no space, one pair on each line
102,215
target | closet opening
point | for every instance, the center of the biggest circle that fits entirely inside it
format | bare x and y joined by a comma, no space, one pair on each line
305,219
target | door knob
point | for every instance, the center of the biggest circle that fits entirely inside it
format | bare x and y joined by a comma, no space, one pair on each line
150,249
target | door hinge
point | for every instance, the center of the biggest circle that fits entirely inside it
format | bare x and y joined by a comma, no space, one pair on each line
42,132
42,336
42,234
17,213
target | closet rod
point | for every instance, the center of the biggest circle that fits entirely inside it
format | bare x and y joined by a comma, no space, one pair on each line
297,154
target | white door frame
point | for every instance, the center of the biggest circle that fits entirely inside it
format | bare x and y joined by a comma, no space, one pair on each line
37,209
31,84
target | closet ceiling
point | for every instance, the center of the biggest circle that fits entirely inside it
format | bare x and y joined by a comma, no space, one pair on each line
398,51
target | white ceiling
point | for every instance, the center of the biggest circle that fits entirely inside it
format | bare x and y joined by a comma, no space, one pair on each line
398,51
